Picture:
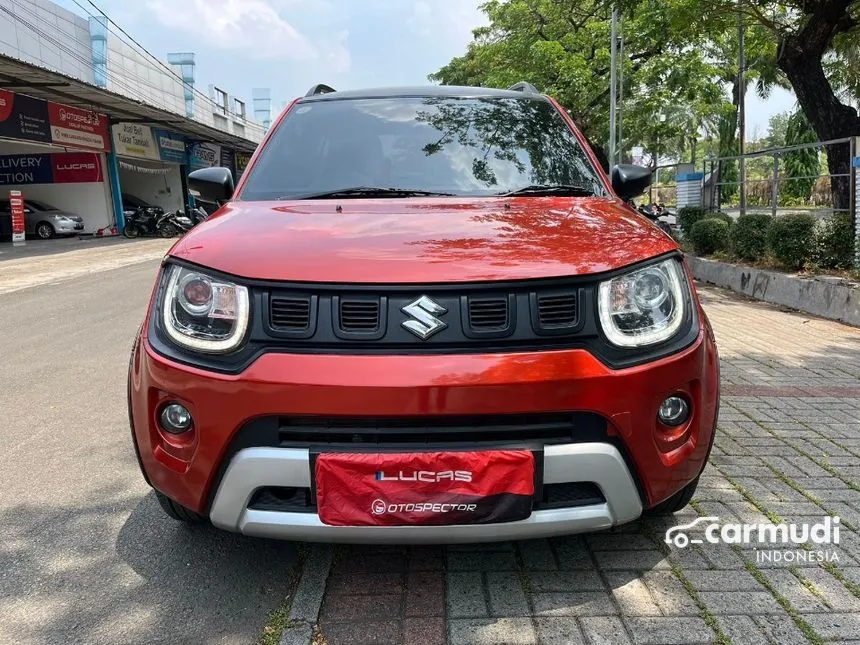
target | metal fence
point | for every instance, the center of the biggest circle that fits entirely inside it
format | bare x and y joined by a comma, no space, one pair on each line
781,180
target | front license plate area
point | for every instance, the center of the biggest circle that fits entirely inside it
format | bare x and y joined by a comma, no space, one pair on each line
424,488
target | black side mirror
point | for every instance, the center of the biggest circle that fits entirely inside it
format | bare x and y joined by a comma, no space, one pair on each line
629,181
212,184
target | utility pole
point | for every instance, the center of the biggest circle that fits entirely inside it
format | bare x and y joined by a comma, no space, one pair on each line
613,86
742,90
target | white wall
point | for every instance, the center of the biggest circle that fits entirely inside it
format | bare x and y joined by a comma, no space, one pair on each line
160,190
71,30
90,201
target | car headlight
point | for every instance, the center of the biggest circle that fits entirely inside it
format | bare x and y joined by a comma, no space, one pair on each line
643,307
203,313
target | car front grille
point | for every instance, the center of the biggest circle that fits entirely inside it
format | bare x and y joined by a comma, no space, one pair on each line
291,314
557,310
359,315
488,313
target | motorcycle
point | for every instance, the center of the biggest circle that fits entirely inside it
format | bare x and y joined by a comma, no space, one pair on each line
154,222
660,215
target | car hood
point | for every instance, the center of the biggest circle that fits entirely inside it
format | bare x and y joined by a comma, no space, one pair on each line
422,240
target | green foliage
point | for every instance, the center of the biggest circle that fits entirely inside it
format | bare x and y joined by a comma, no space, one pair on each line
709,236
791,238
801,166
748,237
834,242
688,216
562,47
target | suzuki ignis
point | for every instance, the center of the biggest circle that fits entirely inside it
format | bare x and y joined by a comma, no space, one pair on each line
423,315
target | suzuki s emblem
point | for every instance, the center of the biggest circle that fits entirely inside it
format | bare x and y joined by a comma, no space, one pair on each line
423,322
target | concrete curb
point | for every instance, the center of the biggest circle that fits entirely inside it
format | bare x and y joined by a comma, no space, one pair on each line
828,297
308,598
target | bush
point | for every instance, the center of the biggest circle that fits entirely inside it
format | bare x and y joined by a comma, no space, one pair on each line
709,235
728,219
688,216
748,236
791,239
834,242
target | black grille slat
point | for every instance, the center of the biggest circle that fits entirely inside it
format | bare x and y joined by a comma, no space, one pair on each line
488,313
359,315
290,313
557,310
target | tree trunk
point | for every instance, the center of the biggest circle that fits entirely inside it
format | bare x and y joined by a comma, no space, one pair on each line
830,118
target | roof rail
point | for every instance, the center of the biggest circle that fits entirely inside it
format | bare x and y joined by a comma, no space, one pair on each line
524,86
316,90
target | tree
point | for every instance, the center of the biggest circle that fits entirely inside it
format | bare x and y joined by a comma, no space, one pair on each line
776,129
801,166
562,46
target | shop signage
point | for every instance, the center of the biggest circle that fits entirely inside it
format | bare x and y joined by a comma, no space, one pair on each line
79,128
16,207
205,155
60,168
133,140
171,146
23,117
242,161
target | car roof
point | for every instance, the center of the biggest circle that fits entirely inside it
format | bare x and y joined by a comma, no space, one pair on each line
452,91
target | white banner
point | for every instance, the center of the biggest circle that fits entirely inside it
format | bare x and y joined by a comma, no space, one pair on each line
133,140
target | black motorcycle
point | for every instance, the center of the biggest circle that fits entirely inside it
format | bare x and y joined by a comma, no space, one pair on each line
660,215
154,222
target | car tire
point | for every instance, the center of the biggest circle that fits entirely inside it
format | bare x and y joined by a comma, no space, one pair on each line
45,231
178,512
678,501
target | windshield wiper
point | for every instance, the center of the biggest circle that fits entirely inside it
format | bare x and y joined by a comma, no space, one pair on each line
544,189
369,191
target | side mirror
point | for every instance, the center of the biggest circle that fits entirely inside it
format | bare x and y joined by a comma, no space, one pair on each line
629,181
212,184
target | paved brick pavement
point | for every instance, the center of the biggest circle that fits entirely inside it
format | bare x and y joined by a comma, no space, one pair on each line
788,449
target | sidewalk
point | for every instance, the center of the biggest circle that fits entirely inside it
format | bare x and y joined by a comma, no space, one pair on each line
52,261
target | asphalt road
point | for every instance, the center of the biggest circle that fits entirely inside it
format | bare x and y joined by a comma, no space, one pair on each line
86,555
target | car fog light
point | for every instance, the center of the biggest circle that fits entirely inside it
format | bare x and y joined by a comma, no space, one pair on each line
674,411
175,418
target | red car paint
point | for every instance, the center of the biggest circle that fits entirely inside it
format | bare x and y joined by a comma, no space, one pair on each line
423,240
412,241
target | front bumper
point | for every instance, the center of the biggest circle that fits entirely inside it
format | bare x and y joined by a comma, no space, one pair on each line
255,468
208,473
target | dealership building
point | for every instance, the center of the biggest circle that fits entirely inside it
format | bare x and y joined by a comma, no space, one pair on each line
93,125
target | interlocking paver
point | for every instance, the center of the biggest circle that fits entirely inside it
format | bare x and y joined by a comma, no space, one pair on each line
742,629
578,580
507,597
791,588
465,597
584,603
604,630
511,631
631,594
670,631
559,631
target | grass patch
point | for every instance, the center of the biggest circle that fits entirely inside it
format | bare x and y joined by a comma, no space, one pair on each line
279,619
853,587
276,622
706,615
811,587
802,625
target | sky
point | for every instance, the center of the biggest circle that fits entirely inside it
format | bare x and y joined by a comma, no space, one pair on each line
290,45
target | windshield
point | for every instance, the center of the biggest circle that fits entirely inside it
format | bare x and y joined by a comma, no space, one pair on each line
472,146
